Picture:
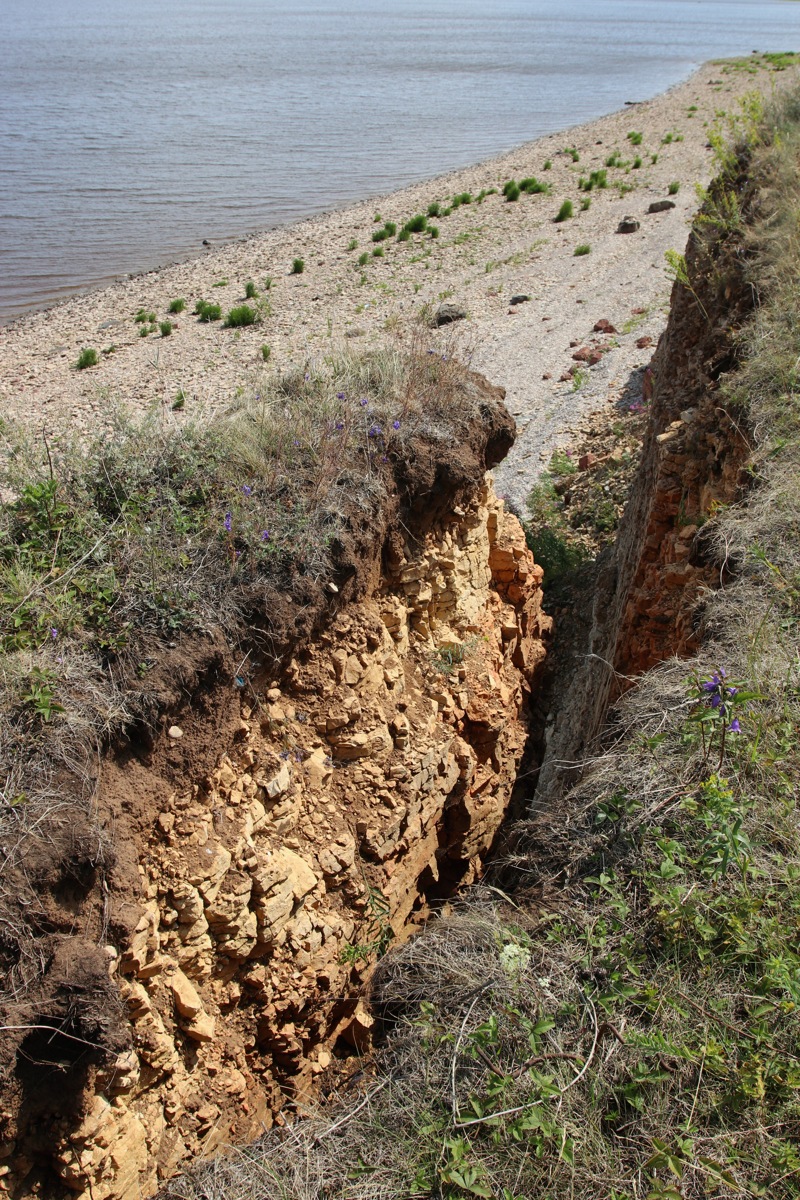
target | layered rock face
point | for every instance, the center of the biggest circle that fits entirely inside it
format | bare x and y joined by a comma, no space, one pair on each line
647,601
371,776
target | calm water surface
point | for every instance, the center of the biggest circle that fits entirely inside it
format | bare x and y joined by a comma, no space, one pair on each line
131,131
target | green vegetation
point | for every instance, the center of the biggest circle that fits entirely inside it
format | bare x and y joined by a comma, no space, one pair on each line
352,244
548,164
635,138
363,258
674,188
388,231
416,224
240,316
266,352
511,191
250,290
144,317
583,248
207,312
177,306
298,266
586,203
565,211
86,358
597,179
166,328
434,209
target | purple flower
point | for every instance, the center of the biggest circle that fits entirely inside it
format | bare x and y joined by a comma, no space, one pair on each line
395,424
53,634
338,425
375,431
228,522
340,396
265,535
306,376
247,491
363,402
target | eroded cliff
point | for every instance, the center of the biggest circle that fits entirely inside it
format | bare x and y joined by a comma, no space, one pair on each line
270,841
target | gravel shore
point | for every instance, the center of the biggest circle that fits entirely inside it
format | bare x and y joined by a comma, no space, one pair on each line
485,255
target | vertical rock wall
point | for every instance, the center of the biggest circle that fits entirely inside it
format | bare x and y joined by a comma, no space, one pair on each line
373,776
647,602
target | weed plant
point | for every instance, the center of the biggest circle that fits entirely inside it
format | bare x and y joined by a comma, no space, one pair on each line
298,266
207,312
241,316
250,290
165,328
177,306
582,249
565,212
87,358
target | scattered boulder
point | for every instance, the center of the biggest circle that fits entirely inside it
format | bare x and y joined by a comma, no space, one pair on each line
604,326
643,342
520,299
588,354
628,224
446,314
586,461
661,206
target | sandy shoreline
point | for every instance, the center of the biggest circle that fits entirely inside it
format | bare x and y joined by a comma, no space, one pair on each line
484,255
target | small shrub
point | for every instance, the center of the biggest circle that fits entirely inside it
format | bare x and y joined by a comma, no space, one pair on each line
635,138
177,306
665,141
378,252
220,283
143,317
434,209
513,193
352,244
404,236
583,248
166,328
573,153
207,312
674,188
242,315
266,351
586,203
298,266
433,230
250,290
86,358
416,224
462,198
548,165
508,185
380,235
179,402
533,186
597,179
267,283
565,212
363,259
637,162
654,159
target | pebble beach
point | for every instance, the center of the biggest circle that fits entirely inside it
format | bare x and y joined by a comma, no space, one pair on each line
485,256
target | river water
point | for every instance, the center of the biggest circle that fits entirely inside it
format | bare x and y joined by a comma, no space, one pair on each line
129,132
